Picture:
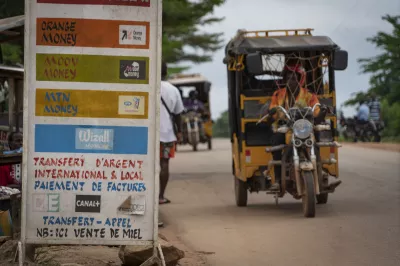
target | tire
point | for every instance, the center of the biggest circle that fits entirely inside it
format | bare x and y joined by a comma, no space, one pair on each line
193,137
240,192
308,198
209,144
377,137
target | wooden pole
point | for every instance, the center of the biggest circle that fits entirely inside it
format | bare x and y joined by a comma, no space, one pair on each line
11,105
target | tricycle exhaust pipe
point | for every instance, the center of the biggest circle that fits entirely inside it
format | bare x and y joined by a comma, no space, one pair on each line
314,162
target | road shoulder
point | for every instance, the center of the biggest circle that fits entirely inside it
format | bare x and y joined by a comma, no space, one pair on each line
170,233
379,146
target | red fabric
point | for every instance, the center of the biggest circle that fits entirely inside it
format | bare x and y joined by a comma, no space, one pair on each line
5,175
298,68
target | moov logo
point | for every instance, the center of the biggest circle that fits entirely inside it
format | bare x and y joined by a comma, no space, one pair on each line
94,139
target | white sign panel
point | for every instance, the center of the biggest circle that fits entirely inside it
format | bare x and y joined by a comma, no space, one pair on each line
91,143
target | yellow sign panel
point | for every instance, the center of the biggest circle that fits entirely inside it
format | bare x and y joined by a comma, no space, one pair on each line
91,103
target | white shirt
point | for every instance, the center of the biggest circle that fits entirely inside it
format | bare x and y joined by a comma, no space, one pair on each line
173,100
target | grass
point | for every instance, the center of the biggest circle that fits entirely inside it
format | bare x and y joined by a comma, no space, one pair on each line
395,139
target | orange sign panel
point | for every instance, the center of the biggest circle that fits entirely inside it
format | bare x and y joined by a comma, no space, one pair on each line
92,33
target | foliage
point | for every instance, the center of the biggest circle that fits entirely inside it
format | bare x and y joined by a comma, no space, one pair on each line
182,20
357,97
11,8
385,76
391,117
221,126
385,68
12,54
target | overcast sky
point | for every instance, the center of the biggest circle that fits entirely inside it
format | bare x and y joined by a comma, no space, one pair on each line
346,22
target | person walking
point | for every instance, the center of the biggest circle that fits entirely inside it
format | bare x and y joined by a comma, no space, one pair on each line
170,129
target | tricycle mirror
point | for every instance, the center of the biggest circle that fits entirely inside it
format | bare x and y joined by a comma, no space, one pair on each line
254,64
340,60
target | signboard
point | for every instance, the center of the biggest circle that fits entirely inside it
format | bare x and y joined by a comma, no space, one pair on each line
91,128
144,3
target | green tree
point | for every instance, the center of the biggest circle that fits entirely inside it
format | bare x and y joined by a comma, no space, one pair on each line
221,126
182,22
385,76
11,8
385,68
11,53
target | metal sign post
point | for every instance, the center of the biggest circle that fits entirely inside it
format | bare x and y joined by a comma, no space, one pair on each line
91,122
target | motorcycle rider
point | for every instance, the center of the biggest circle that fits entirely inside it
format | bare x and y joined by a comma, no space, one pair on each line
362,118
375,111
193,104
375,108
294,93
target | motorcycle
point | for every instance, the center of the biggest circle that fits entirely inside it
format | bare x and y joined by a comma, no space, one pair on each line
190,129
368,132
301,165
348,127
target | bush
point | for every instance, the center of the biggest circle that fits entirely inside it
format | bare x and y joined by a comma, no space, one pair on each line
221,126
391,117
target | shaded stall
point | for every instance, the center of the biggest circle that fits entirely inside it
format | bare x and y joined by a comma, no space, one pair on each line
11,111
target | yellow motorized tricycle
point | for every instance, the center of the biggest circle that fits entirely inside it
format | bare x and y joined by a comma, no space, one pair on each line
196,119
260,108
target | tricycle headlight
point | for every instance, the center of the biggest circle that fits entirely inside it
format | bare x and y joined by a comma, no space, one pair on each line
302,128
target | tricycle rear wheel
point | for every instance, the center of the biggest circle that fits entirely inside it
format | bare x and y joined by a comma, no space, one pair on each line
308,198
240,192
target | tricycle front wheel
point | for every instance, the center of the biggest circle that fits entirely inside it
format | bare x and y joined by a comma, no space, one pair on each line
308,198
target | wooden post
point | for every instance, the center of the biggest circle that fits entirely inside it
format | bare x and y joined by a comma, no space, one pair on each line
15,201
19,99
11,105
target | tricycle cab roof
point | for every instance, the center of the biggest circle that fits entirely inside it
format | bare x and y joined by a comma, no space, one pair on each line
188,79
246,42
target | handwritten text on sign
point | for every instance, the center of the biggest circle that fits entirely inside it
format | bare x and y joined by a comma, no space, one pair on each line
92,68
91,103
81,174
90,33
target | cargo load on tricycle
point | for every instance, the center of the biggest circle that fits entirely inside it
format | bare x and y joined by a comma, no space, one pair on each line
282,114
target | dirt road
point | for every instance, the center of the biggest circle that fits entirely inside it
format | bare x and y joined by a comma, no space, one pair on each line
360,225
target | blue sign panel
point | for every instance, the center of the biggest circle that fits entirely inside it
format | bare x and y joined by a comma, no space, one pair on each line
91,139
94,139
